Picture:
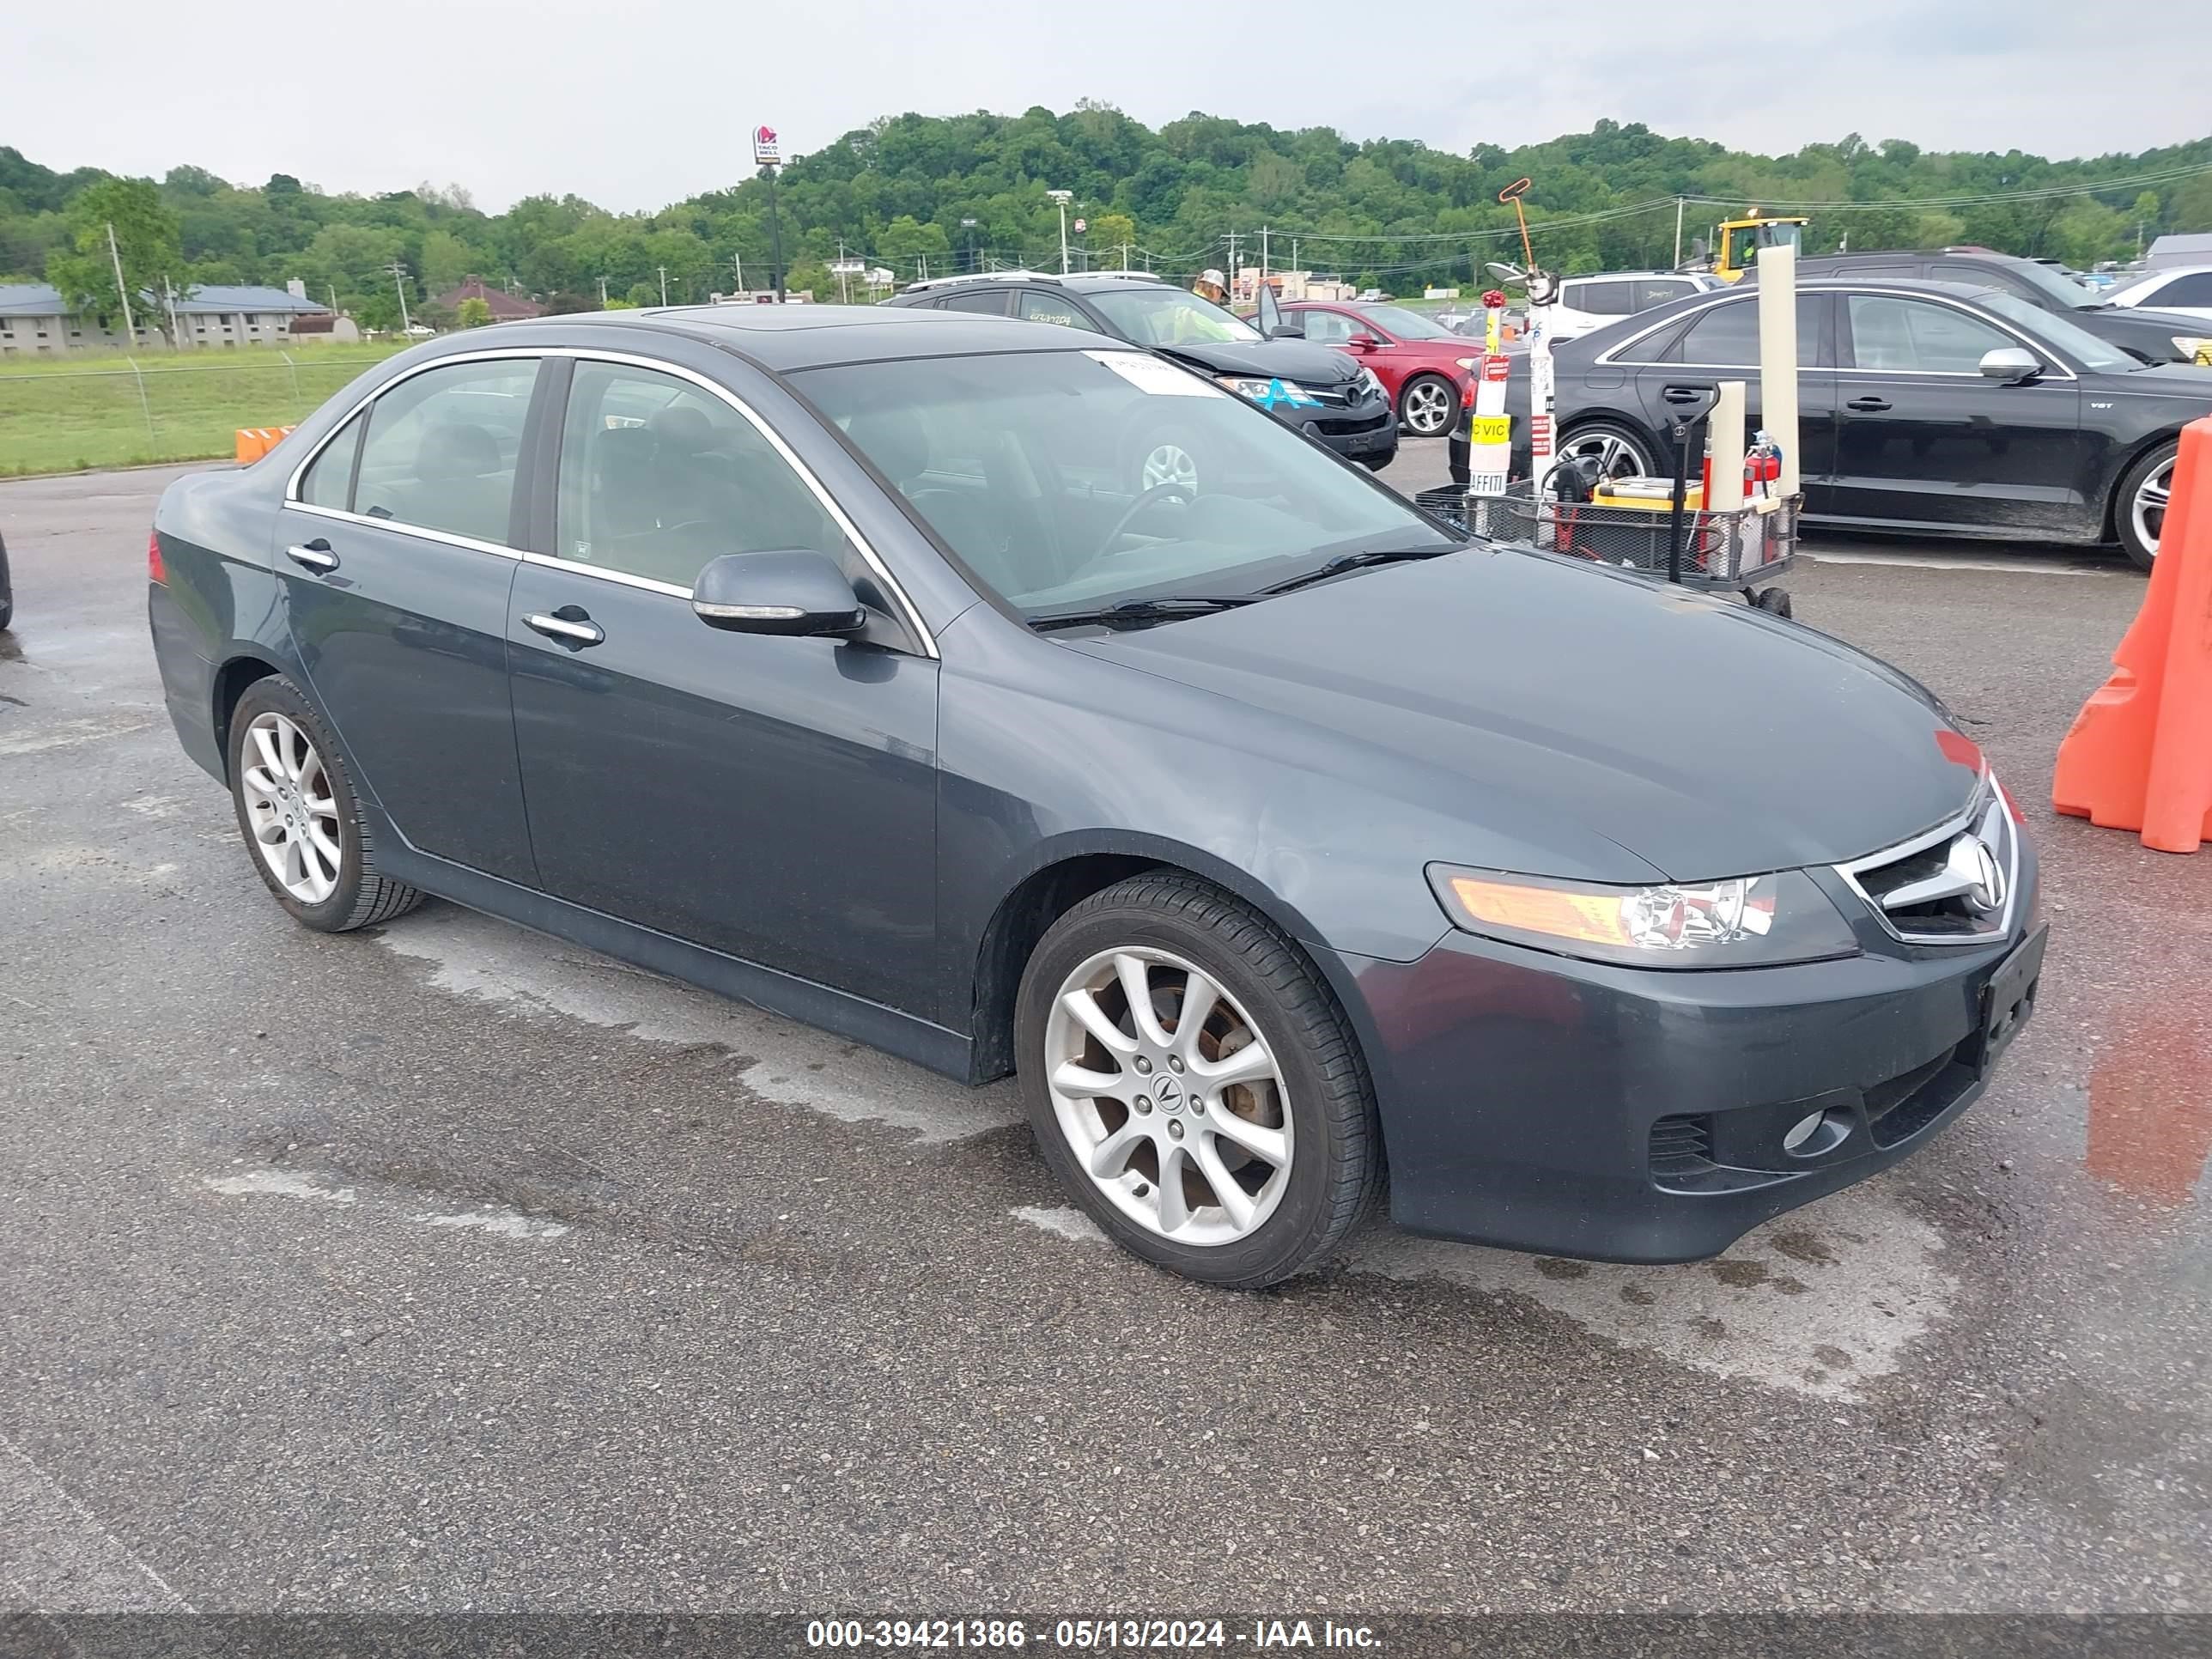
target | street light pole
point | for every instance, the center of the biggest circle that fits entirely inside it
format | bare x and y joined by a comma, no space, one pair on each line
969,225
1063,197
664,284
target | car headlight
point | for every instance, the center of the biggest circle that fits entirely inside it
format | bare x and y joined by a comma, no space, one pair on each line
1469,363
2194,347
1749,922
1367,379
1258,391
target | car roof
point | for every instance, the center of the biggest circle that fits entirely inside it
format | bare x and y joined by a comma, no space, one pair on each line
789,336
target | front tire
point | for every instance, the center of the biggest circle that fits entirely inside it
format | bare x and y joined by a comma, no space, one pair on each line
300,818
1236,1148
1427,406
2139,504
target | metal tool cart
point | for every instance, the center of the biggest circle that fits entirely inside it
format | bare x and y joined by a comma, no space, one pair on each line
1658,527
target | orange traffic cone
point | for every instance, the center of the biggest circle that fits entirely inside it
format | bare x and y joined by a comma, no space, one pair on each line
2140,754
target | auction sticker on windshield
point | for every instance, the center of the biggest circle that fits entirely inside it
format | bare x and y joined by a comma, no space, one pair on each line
1151,374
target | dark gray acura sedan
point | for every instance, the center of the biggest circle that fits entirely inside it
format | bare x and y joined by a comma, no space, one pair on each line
1274,835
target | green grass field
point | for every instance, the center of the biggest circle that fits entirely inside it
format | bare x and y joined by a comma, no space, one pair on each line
65,413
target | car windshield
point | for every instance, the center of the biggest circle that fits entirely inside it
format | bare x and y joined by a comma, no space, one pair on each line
1071,480
1403,324
2063,291
1155,315
2076,342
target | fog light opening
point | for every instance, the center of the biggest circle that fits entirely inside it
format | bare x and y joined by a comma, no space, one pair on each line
1817,1133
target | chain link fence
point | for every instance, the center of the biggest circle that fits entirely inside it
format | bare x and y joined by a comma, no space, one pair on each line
57,416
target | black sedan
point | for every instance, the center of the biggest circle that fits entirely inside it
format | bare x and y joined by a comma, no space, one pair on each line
1922,407
6,589
1324,393
1273,834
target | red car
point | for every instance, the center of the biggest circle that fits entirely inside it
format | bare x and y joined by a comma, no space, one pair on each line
1422,364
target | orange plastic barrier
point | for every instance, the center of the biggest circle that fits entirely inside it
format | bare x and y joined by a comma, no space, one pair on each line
2140,754
255,441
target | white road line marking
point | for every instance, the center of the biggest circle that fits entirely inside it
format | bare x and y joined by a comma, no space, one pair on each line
61,1559
507,1224
1062,1218
280,1183
478,955
2055,565
65,734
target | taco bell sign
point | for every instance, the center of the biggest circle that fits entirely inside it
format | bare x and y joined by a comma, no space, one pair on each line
768,149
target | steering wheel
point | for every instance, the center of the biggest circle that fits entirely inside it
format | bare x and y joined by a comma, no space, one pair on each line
1158,492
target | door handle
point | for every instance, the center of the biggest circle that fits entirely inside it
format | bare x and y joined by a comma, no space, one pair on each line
585,632
315,555
1868,406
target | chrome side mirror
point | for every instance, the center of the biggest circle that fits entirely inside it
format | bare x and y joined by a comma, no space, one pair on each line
2011,365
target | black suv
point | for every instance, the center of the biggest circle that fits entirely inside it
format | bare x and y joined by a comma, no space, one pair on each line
2150,336
1325,394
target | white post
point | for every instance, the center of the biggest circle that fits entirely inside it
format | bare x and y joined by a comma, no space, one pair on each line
664,284
1678,233
1725,442
1777,356
129,329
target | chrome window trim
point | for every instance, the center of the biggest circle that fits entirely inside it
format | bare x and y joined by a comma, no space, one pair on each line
909,613
1610,358
1987,797
424,532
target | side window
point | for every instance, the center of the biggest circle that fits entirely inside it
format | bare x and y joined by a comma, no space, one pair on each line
328,481
1324,327
658,476
1727,336
1040,307
2194,289
1606,299
440,449
1649,295
993,304
1916,336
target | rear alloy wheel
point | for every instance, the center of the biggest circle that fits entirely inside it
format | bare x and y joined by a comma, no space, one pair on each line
2142,503
1619,452
1427,404
297,811
1193,1083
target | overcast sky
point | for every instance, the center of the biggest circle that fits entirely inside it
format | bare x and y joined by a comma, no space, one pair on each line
637,103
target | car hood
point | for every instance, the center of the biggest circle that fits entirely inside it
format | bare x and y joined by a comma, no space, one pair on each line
1288,360
2152,331
1548,703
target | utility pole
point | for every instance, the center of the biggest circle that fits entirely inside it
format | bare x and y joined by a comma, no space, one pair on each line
1125,256
1678,233
169,296
1232,263
603,294
1263,262
738,264
844,290
969,225
129,329
664,284
1295,265
399,286
1063,197
332,288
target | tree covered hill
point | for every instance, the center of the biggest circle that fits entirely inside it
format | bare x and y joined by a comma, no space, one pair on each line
915,191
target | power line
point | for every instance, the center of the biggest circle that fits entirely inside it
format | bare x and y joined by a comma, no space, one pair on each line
2082,187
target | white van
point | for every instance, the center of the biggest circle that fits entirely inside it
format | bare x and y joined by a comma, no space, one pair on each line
1589,302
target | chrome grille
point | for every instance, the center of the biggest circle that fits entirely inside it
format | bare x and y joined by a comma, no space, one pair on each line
1956,884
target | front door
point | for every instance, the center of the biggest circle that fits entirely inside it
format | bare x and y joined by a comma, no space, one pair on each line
1923,438
772,799
396,560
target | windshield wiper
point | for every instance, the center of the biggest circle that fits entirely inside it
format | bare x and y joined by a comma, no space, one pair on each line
1139,613
1344,562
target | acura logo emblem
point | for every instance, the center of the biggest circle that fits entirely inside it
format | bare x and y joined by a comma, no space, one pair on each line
1170,1094
1981,879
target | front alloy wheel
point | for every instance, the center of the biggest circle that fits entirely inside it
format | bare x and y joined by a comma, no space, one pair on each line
1194,1084
1428,406
1169,1096
2149,508
1167,463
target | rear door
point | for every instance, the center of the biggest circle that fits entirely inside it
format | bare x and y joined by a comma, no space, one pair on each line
1923,438
772,799
1722,344
396,551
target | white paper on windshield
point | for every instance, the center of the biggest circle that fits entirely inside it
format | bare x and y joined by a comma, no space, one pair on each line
1150,374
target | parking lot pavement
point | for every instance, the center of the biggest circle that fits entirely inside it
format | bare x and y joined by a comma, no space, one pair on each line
446,1265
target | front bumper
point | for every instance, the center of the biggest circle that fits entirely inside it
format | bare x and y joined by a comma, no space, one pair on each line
1575,1109
1368,437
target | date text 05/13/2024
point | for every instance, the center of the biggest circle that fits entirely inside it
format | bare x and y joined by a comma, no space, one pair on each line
1089,1635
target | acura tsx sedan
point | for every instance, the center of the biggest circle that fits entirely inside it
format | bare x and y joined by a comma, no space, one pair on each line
1276,836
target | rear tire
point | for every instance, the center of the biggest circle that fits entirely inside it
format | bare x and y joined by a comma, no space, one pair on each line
1623,452
2139,504
297,806
1295,1132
